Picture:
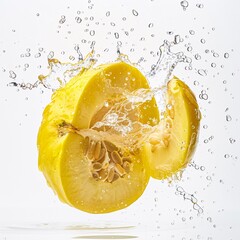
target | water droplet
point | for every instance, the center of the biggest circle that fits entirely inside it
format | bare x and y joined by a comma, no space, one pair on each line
37,55
199,5
197,56
213,65
231,140
215,54
51,55
184,4
189,49
209,178
170,33
226,156
107,13
176,39
92,32
134,12
12,74
150,25
203,41
226,55
72,58
116,35
202,168
12,84
62,19
192,32
78,19
228,118
202,72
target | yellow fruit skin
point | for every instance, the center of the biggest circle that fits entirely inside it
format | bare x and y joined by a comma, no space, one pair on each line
76,104
164,162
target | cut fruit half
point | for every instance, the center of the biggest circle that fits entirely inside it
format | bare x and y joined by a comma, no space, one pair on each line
170,147
86,164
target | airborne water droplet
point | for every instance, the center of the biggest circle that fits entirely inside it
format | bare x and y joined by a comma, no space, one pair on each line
228,118
202,72
150,25
184,4
199,5
226,55
92,32
192,32
62,20
176,39
51,55
12,74
135,13
197,56
231,140
116,35
78,19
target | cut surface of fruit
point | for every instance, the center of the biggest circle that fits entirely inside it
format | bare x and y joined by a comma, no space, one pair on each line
84,162
169,149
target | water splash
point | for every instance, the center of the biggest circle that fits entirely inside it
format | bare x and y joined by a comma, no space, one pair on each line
189,197
166,63
61,73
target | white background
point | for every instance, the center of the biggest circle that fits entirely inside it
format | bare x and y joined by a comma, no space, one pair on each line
28,208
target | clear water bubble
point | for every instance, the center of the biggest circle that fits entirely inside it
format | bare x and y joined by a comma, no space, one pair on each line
226,155
203,41
199,5
209,178
184,4
78,19
197,56
150,25
12,74
203,95
192,32
92,32
177,39
134,12
37,55
215,54
62,19
226,55
231,140
213,65
12,84
108,13
116,35
228,118
202,72
50,55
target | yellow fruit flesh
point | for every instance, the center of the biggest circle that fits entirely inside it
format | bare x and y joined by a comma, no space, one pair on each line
164,161
61,158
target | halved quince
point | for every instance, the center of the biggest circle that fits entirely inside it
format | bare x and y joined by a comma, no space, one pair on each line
173,141
88,167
